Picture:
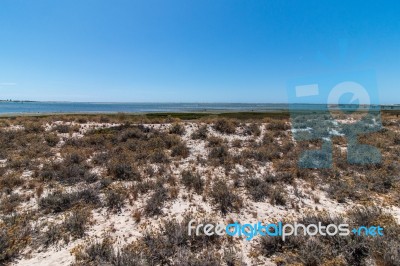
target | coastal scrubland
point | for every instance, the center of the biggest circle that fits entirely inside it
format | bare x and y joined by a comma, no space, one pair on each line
120,190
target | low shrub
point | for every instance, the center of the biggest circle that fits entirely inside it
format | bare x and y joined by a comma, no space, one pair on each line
62,128
115,200
192,181
252,130
51,236
123,171
180,150
224,197
177,129
155,203
59,201
33,127
219,154
51,139
257,189
77,222
200,133
225,126
278,196
277,125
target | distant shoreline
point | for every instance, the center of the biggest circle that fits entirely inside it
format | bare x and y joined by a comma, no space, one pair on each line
36,108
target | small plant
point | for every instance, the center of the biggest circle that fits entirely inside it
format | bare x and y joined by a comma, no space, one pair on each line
51,139
115,200
252,130
180,150
137,216
224,197
219,154
177,129
51,236
76,222
278,196
156,201
192,181
225,126
62,128
59,201
33,127
257,189
200,133
123,171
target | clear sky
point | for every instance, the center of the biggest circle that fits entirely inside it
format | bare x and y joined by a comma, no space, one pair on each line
191,50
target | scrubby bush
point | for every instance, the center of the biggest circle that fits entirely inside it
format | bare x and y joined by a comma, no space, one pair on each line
59,201
10,181
51,139
96,253
145,186
261,154
224,197
123,171
100,158
252,130
62,128
51,236
159,156
76,223
10,203
277,125
257,189
278,196
192,181
15,232
225,126
200,133
219,154
155,203
33,127
180,150
115,200
177,129
214,141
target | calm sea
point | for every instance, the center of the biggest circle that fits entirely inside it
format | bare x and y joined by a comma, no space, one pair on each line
85,107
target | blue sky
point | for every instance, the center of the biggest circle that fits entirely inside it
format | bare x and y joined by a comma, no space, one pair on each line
191,51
